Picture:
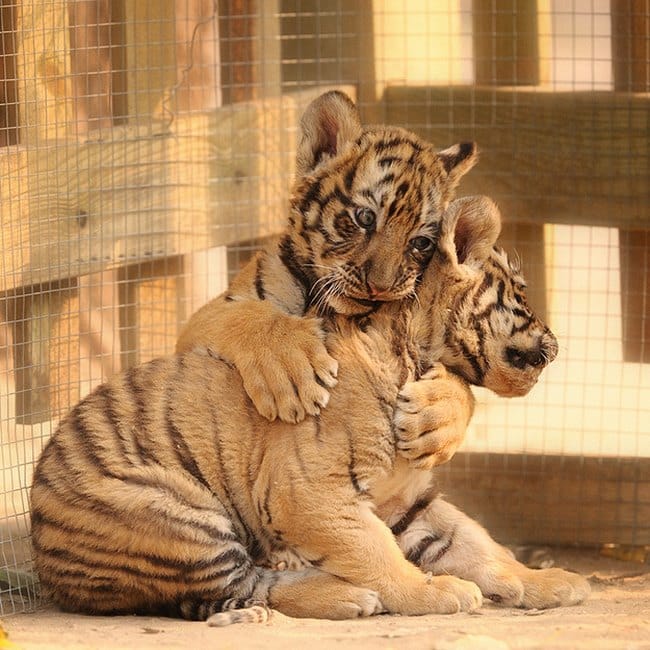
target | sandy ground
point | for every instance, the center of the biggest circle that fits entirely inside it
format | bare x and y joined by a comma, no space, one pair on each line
616,617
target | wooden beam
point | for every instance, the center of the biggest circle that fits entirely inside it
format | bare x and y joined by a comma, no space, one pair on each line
147,30
546,157
73,208
572,500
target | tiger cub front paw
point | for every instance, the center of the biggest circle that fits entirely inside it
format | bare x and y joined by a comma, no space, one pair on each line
288,372
431,417
451,595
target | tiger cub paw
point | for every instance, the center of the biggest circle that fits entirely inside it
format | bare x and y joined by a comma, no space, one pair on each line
450,595
288,374
431,417
356,603
538,588
544,588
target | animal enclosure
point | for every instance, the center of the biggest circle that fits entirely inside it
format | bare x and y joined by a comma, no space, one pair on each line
146,149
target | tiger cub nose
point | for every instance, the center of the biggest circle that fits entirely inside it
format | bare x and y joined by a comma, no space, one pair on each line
540,354
375,290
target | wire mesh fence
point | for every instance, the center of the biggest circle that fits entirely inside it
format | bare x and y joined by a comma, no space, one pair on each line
146,149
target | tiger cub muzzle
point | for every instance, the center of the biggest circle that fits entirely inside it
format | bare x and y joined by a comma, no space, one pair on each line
541,352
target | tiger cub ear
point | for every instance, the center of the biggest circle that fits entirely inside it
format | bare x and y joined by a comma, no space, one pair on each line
329,124
471,226
457,161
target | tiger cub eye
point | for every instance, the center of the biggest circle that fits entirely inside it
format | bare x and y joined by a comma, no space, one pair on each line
421,244
365,217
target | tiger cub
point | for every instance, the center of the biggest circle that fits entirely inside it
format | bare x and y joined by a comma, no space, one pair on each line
363,225
135,508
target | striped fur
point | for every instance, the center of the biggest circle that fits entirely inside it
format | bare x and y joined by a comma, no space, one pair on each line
166,492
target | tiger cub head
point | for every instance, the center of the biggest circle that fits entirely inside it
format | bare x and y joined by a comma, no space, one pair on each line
481,325
366,207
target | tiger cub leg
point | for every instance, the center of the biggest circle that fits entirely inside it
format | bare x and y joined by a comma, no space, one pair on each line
305,593
443,540
357,546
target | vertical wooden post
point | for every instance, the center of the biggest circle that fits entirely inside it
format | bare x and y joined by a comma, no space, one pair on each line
634,246
95,47
197,55
630,45
90,63
46,109
631,65
238,70
507,53
8,83
506,42
33,313
352,38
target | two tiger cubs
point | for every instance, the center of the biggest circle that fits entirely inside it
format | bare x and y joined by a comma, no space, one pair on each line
165,491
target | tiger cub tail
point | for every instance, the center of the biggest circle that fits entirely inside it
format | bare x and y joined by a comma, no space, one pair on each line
254,613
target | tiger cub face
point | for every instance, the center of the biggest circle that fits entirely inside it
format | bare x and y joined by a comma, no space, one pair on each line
366,209
488,333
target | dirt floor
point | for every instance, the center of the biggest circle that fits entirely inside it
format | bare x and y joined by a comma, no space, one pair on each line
616,617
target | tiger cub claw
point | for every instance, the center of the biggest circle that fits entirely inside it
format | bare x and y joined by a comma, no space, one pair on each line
290,378
431,417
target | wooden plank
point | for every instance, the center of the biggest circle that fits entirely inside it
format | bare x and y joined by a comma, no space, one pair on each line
569,500
506,43
239,70
547,157
211,179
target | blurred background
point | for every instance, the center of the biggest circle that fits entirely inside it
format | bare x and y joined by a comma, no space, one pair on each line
146,150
